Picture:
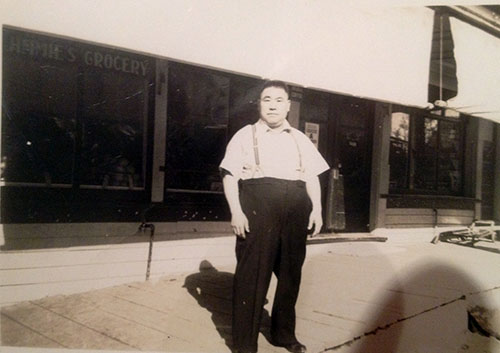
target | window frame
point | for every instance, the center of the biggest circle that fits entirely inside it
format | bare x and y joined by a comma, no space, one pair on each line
237,117
412,153
73,56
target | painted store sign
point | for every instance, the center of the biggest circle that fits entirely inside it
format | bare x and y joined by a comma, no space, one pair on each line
40,47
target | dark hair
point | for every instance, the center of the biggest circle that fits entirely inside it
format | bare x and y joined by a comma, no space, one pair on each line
275,83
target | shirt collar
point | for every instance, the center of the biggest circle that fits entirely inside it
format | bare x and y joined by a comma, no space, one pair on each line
262,127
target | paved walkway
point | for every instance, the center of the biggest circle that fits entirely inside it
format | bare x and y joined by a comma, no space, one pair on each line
401,295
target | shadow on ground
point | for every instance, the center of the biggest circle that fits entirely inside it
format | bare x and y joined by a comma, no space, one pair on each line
452,292
213,291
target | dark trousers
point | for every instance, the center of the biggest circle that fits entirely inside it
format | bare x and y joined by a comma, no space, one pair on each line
278,212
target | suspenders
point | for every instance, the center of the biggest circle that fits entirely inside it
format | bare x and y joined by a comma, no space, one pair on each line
256,151
255,146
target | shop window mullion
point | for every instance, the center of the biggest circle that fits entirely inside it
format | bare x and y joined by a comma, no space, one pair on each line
411,153
436,157
77,158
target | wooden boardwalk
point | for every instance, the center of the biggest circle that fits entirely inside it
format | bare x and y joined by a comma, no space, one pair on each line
352,293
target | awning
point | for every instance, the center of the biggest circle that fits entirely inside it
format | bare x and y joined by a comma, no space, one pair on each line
379,52
477,54
443,66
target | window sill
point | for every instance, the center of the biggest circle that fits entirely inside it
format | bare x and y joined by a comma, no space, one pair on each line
429,196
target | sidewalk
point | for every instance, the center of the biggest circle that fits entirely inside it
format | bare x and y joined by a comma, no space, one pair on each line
401,295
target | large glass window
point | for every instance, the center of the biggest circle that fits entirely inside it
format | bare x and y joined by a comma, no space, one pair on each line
426,154
450,157
398,157
73,114
205,109
39,112
197,126
114,127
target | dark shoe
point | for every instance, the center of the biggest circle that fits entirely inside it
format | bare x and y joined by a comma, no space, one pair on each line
296,347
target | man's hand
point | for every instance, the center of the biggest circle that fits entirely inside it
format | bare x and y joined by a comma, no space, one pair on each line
314,192
239,222
316,220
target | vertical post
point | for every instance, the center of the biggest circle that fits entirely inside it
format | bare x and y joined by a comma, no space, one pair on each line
142,228
79,131
294,113
440,57
483,134
496,197
160,131
380,165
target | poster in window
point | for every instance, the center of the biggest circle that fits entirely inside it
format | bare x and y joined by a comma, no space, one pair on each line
312,131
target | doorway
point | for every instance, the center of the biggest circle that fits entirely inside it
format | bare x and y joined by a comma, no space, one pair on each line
351,126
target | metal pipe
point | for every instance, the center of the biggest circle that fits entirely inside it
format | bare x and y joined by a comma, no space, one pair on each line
151,228
142,228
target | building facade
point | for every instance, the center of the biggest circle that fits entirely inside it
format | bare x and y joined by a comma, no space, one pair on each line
93,133
95,137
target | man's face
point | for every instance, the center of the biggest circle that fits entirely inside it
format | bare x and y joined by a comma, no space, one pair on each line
274,106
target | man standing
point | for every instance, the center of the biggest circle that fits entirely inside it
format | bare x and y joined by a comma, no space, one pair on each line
270,177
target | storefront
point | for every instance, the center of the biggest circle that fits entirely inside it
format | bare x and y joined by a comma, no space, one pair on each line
84,132
97,139
76,119
437,166
92,133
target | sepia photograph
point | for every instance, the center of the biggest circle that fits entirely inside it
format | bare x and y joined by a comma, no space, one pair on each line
250,176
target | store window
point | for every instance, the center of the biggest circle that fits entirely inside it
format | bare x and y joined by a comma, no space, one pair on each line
114,130
205,109
398,157
197,128
74,115
426,154
39,111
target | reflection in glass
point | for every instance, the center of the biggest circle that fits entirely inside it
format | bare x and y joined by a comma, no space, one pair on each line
197,128
38,127
450,157
431,126
425,153
113,130
398,153
400,126
66,122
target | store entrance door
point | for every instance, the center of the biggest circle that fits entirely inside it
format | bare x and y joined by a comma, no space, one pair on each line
349,189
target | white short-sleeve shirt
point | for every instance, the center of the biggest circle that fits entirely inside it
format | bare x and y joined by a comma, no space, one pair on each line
284,153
